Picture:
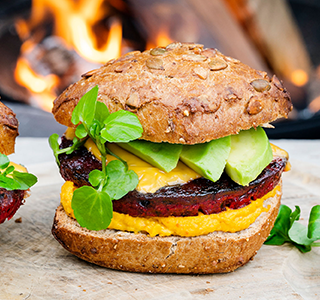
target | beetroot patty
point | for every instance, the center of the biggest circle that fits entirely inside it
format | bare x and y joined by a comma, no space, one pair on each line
76,166
199,195
10,201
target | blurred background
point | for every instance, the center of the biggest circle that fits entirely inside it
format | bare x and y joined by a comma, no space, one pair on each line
47,44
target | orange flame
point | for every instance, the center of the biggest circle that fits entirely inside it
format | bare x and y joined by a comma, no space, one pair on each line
83,41
299,77
76,22
162,39
42,87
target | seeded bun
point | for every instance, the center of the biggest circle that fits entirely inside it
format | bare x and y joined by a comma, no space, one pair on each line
8,129
182,93
217,252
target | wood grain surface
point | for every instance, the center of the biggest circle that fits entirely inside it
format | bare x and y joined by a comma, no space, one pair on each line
34,266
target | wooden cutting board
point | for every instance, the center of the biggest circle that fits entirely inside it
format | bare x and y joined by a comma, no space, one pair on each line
33,265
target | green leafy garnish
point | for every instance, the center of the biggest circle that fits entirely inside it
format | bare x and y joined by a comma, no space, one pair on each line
10,179
287,229
121,180
120,127
54,144
4,161
85,110
92,205
92,208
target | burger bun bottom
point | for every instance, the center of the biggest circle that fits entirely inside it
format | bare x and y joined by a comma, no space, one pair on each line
217,252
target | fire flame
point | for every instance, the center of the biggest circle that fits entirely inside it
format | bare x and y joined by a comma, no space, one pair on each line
299,77
79,23
162,39
74,22
83,41
42,87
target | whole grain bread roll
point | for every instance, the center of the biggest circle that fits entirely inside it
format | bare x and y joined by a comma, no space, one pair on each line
8,129
217,252
182,93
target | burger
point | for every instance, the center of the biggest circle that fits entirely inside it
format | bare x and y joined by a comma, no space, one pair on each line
167,166
14,179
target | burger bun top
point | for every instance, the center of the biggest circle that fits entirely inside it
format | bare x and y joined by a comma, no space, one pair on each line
183,93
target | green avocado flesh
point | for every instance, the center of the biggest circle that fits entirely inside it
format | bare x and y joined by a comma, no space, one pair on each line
250,154
242,156
208,159
161,155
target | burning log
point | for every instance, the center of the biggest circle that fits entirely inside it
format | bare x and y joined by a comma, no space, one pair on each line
47,67
53,58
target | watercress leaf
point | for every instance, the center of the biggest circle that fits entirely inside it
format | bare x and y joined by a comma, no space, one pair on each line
77,143
287,229
102,112
96,177
92,208
120,180
77,112
122,126
314,223
85,109
54,144
275,240
69,151
81,131
95,128
4,161
102,139
303,248
8,183
53,141
281,226
295,216
25,180
298,234
279,232
8,170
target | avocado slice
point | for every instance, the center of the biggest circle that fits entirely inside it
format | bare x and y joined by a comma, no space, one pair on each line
164,156
250,154
208,159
